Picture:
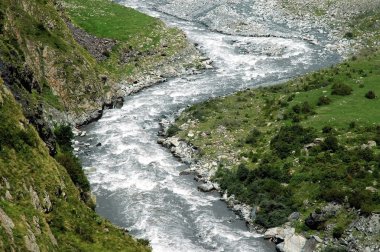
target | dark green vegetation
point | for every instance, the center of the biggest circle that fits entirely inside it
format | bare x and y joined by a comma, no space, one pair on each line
65,157
40,204
298,146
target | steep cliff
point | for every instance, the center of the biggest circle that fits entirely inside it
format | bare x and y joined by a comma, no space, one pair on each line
55,68
40,207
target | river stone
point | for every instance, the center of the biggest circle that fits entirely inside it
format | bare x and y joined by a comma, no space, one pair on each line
294,243
207,187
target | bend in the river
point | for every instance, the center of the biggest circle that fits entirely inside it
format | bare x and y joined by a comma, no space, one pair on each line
137,181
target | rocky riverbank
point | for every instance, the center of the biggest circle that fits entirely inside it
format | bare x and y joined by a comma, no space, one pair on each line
360,236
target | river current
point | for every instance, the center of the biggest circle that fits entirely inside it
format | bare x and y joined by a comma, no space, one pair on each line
136,181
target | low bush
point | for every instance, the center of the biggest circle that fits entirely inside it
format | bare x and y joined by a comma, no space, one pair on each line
341,89
253,136
242,172
172,130
338,232
74,169
370,95
323,100
330,144
64,135
291,138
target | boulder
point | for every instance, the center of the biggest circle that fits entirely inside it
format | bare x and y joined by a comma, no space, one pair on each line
207,187
310,245
294,243
280,247
294,216
187,172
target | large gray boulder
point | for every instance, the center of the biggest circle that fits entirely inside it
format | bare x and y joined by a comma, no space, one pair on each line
207,187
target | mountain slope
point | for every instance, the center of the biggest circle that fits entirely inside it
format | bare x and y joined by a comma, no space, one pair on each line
40,207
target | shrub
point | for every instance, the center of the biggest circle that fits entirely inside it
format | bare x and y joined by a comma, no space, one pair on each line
144,242
323,100
296,109
272,214
242,172
306,108
74,169
338,232
360,198
366,154
172,130
349,35
64,135
327,129
341,89
370,95
296,118
330,144
85,232
291,138
253,136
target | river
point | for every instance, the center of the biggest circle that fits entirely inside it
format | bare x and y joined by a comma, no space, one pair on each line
136,181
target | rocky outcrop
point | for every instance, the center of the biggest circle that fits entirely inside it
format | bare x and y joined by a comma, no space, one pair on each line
7,224
31,242
288,241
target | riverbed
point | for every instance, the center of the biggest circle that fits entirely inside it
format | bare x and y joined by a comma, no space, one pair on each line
136,181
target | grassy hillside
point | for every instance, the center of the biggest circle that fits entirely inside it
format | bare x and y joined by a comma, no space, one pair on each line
298,146
40,206
46,61
142,41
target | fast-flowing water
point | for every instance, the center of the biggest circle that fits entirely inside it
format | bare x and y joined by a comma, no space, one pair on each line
137,181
